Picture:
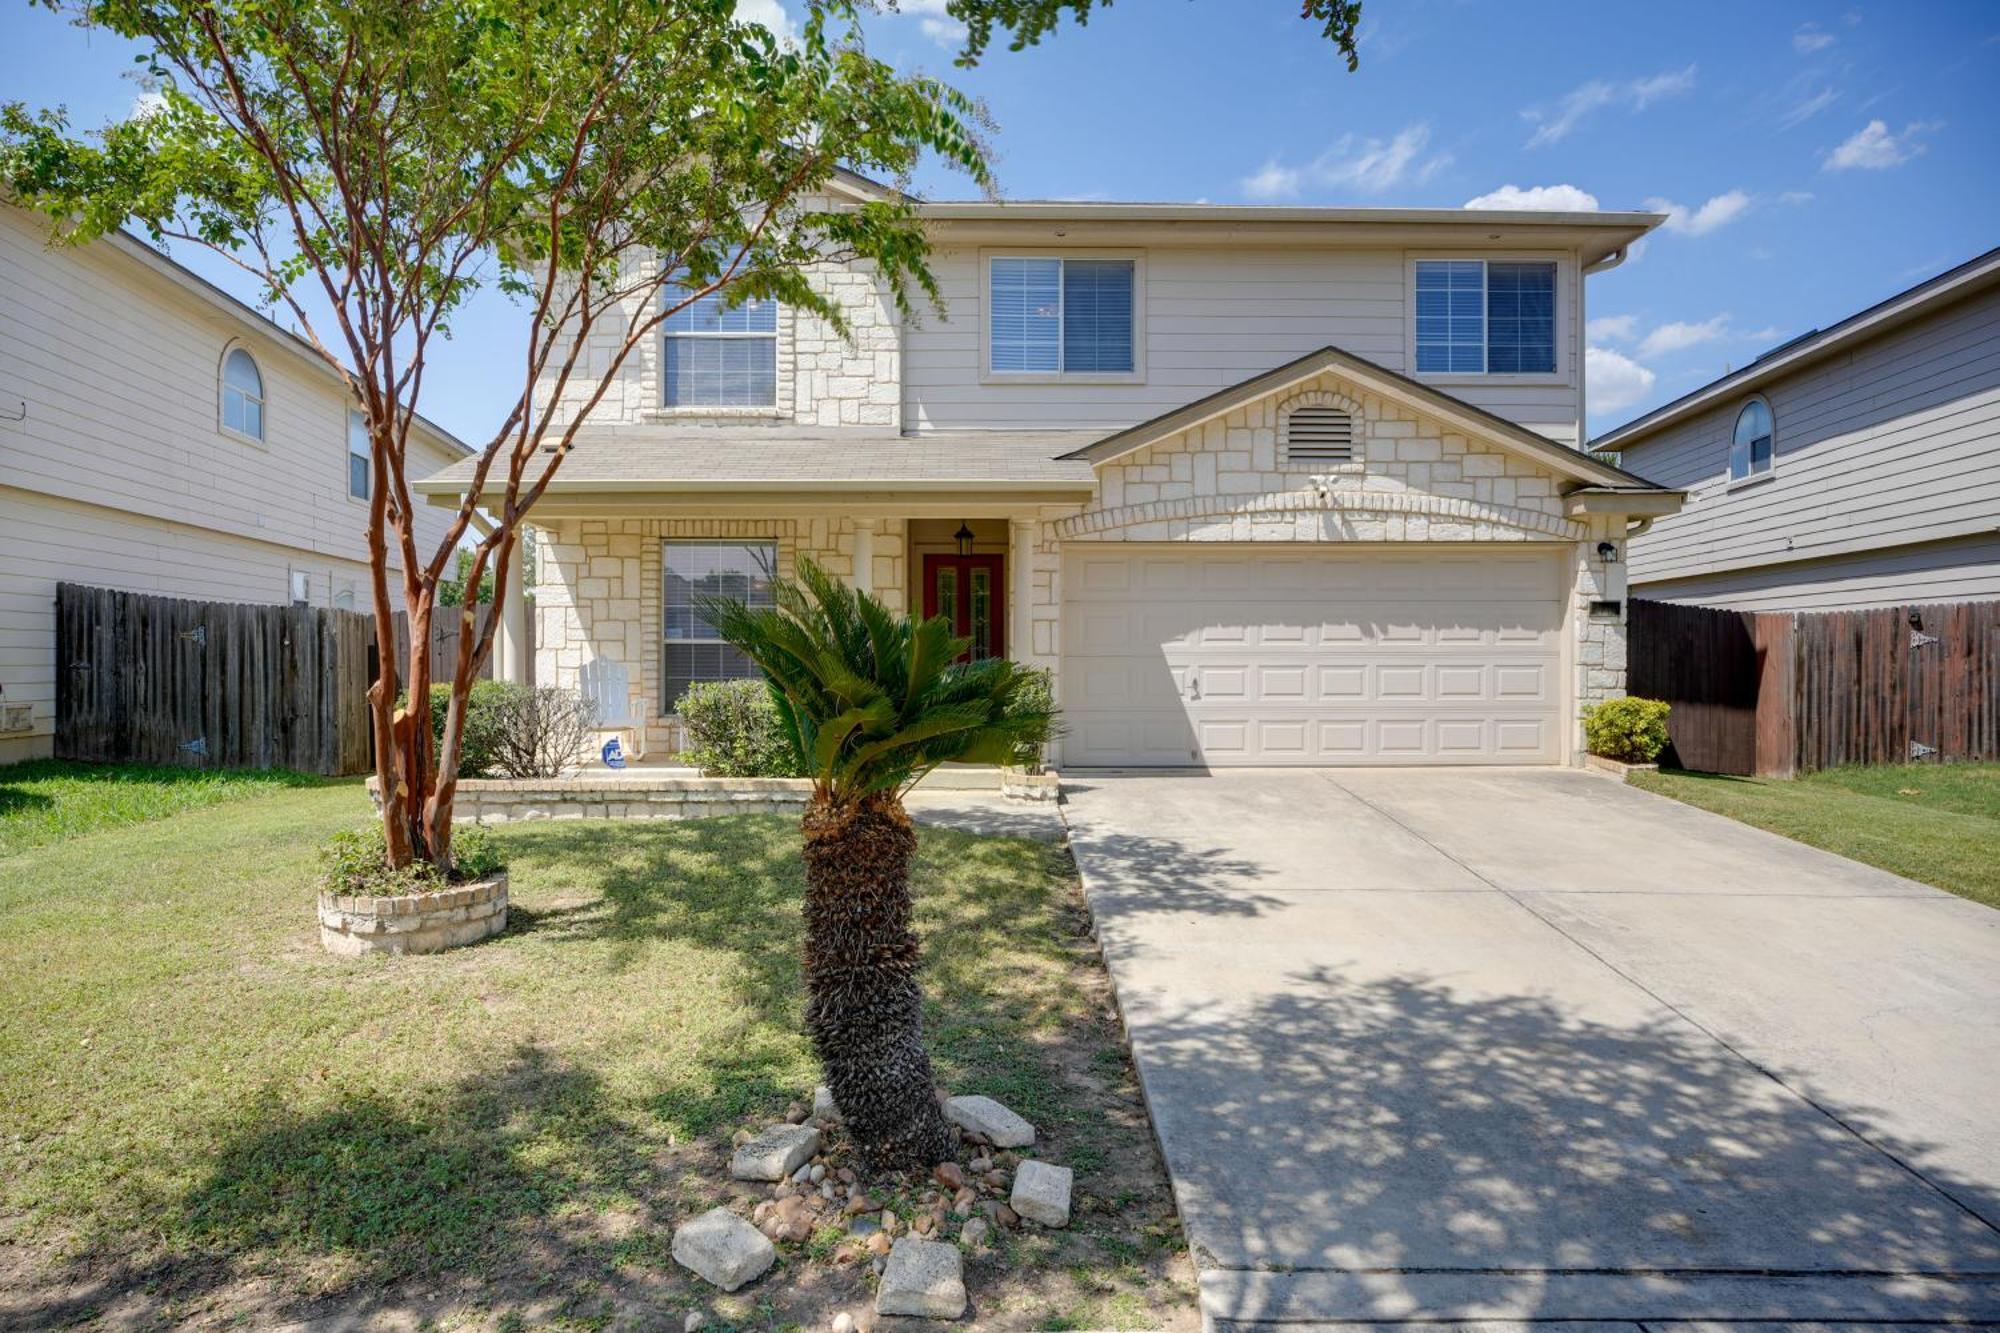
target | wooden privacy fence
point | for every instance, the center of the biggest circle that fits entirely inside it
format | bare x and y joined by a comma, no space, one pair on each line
210,684
1777,694
161,680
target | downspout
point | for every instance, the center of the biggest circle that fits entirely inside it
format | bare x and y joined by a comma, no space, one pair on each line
1639,529
1606,264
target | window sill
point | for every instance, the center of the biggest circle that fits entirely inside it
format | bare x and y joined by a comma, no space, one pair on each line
1754,480
1044,377
715,414
231,433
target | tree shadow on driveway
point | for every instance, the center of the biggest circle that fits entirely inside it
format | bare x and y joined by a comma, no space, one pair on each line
1392,1145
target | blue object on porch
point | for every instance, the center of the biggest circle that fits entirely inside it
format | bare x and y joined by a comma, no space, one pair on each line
614,754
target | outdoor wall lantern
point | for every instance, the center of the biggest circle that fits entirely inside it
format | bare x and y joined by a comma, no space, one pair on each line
1607,552
963,537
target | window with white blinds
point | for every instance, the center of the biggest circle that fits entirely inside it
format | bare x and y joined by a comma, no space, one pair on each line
1315,434
693,650
717,357
1481,317
1060,316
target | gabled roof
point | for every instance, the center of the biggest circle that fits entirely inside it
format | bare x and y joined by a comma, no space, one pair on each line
1952,285
1466,418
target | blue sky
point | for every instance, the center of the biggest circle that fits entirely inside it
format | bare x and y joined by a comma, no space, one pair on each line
1815,157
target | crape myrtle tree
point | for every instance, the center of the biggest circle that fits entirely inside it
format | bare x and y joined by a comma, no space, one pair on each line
372,164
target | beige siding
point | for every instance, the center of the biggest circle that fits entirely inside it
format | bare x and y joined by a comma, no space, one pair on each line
1955,571
1892,443
1212,319
119,473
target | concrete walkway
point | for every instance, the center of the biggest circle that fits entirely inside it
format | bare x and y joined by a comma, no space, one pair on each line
1519,1045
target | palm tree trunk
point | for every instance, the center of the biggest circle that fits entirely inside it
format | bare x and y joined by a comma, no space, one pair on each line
864,1006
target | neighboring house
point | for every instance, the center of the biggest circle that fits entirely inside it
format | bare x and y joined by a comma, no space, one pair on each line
1856,466
1260,485
157,435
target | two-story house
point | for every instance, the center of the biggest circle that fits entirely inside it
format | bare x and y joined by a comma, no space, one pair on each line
1259,485
1854,466
159,436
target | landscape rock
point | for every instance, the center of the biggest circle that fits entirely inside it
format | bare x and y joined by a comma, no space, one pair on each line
990,1120
975,1232
923,1278
722,1249
823,1107
818,1173
950,1175
1041,1193
696,1319
774,1154
843,1323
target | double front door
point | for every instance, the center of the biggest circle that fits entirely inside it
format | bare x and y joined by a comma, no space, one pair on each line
966,590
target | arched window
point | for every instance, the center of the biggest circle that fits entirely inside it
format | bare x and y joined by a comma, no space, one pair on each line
1750,446
242,394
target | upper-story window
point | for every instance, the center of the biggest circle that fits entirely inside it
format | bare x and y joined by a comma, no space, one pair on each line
242,394
359,460
712,356
1050,315
1486,317
1750,445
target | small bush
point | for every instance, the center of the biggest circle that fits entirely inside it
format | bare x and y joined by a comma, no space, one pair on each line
485,716
356,861
1634,730
541,732
1037,694
733,731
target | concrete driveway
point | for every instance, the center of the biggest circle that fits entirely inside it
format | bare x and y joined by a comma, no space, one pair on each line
1532,1045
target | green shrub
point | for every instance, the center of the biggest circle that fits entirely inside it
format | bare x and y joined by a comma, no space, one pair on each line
486,713
356,861
733,731
1037,696
1634,730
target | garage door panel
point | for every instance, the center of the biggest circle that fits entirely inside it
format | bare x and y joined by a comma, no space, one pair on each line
1225,655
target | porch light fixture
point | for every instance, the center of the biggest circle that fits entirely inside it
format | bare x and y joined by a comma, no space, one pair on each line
963,537
1607,553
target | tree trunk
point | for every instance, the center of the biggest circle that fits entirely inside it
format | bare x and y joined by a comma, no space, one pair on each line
864,1006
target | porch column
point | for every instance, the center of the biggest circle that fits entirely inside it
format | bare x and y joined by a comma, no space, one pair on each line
513,636
1021,587
864,555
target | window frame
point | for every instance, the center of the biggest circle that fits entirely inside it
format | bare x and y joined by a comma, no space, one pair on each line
988,375
779,379
668,707
356,417
1756,474
223,388
1564,332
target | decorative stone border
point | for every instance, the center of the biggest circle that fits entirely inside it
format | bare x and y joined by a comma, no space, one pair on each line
1017,784
1617,768
354,925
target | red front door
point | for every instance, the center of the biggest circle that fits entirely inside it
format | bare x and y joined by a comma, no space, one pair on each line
965,589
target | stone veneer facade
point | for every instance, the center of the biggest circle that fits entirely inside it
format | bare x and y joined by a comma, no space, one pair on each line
600,590
1412,480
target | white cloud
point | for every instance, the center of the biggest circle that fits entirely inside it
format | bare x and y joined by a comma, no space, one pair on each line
937,24
769,14
1612,328
1679,335
1369,165
1700,221
1580,103
147,104
1796,197
1273,181
1613,381
1806,108
1558,198
1809,39
1873,147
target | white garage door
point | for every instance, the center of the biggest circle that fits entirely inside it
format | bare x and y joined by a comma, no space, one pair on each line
1247,655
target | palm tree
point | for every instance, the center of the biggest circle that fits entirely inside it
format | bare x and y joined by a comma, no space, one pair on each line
871,701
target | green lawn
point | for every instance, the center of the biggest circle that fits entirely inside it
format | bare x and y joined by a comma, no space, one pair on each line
47,800
197,1101
1938,823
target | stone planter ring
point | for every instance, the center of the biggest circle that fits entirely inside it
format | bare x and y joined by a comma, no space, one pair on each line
355,924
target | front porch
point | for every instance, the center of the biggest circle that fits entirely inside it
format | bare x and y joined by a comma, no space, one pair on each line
614,598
